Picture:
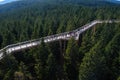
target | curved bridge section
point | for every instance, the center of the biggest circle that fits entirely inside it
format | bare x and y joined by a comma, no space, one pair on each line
62,36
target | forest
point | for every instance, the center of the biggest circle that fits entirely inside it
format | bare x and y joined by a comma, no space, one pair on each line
95,56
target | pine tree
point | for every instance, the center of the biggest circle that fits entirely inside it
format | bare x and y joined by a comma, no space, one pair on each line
52,67
113,56
23,70
93,66
39,70
9,66
71,60
41,57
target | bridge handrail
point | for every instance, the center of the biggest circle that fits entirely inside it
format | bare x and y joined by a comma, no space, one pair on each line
57,35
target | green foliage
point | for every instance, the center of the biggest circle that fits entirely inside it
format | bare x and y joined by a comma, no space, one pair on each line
97,56
52,67
71,60
18,75
39,71
41,57
118,78
93,66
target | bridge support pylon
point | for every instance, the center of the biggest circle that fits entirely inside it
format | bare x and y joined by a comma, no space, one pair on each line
77,35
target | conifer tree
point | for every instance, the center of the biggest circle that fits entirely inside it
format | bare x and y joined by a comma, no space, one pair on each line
52,67
71,60
41,61
93,66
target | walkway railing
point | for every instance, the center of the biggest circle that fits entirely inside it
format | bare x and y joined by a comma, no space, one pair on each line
64,36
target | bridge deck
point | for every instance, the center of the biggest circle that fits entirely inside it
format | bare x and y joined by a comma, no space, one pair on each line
64,36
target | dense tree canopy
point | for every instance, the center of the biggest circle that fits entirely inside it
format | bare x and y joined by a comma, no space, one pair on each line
95,56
